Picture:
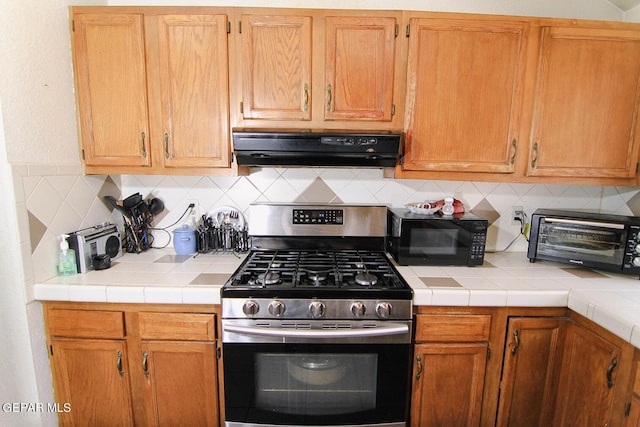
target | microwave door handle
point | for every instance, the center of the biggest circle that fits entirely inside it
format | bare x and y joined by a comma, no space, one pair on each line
589,223
395,329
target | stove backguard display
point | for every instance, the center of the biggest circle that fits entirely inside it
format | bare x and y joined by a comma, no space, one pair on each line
318,216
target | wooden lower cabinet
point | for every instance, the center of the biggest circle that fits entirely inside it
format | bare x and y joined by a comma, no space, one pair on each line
530,371
450,360
448,384
119,364
486,367
595,376
92,376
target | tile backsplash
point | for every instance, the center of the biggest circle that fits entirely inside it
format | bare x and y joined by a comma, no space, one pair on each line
57,199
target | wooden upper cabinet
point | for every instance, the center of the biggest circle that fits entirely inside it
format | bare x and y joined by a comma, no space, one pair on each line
276,67
359,67
464,94
194,76
112,89
587,104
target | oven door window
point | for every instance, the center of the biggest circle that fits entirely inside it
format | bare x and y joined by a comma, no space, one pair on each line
595,245
315,384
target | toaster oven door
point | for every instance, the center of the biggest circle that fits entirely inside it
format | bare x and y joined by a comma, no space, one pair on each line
587,243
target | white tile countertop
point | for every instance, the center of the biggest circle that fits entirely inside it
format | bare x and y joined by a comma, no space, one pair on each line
505,279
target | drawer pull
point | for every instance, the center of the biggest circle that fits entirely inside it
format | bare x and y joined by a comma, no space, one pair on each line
145,364
516,341
614,363
119,364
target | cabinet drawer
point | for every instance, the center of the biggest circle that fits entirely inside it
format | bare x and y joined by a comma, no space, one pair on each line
177,326
86,323
452,328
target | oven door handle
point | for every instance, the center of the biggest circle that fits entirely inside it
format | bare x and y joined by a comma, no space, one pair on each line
395,329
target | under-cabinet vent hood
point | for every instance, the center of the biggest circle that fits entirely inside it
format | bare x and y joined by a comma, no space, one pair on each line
328,148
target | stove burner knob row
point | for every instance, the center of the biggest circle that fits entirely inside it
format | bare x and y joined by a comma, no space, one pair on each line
276,308
358,309
250,308
317,309
383,310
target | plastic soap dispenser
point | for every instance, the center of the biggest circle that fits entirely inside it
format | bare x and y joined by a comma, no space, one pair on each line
66,258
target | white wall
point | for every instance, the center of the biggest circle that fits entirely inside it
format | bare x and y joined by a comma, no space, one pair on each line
37,124
584,9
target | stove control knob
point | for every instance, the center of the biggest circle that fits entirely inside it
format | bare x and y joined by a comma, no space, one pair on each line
276,308
383,310
250,308
317,309
358,309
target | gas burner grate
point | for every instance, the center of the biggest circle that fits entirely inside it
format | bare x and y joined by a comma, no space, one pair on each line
316,270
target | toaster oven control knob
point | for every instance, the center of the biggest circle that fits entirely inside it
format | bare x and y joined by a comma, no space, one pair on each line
383,310
636,262
250,308
276,308
637,249
317,309
358,309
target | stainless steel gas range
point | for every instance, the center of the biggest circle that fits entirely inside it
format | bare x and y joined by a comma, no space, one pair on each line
316,321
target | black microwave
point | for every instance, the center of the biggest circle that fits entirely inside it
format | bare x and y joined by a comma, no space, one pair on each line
599,241
419,239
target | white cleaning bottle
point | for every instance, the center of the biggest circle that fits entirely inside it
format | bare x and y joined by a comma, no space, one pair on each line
66,258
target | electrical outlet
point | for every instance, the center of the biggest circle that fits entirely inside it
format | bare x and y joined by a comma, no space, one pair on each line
195,210
517,212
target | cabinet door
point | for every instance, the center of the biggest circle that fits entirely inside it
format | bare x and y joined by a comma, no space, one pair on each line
531,365
276,67
194,77
587,379
448,381
359,67
587,101
463,99
181,386
93,377
112,89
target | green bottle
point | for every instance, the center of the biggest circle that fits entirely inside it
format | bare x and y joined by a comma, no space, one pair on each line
66,259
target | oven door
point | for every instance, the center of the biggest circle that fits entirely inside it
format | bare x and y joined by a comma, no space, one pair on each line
318,382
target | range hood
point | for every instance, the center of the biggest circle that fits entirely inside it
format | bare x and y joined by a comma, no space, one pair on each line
326,148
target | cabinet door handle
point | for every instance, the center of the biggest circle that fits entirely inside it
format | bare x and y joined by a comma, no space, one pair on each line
145,364
535,155
614,363
166,145
419,373
516,341
329,97
306,97
119,364
143,136
514,143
